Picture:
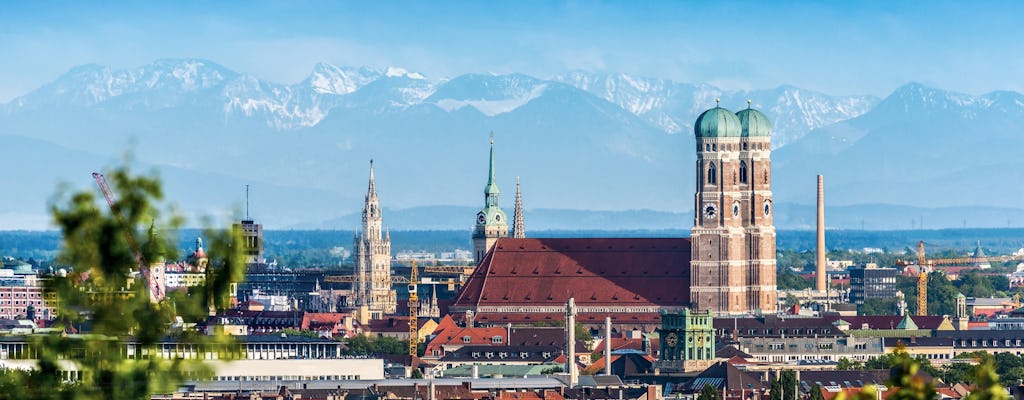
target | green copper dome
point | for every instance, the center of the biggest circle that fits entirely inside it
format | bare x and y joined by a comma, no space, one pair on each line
717,122
754,123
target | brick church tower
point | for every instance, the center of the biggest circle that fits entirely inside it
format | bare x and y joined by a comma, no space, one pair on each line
732,266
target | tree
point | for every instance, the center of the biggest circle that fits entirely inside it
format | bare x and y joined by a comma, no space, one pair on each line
987,386
877,307
708,392
846,364
102,291
816,392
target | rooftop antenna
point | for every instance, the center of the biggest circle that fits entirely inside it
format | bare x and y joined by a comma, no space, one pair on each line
246,202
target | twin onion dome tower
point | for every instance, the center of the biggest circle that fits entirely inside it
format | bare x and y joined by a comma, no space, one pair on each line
732,265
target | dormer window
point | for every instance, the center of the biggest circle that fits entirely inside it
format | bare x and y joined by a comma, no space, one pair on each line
467,339
497,339
476,354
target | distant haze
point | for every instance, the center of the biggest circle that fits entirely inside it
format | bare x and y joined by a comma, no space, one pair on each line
580,141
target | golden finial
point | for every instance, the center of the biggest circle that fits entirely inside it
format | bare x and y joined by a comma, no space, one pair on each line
492,137
748,103
717,100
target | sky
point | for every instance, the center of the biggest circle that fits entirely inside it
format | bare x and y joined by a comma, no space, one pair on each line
840,47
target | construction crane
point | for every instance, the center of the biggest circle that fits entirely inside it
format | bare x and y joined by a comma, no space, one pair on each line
414,304
397,280
155,295
925,264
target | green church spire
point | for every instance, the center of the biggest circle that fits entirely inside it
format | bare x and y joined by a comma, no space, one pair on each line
491,190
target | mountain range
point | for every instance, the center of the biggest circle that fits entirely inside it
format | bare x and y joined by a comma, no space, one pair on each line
579,141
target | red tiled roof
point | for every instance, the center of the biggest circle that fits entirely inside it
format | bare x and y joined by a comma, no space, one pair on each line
310,319
477,336
619,271
588,318
446,322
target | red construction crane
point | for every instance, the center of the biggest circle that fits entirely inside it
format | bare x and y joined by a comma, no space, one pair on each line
155,294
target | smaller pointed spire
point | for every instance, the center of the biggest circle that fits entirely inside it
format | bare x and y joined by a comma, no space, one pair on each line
199,243
387,234
518,226
492,185
373,187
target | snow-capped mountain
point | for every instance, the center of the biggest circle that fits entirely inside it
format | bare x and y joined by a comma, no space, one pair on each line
583,141
672,105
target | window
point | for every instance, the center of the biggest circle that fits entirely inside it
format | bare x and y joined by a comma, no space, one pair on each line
466,339
497,339
712,175
743,171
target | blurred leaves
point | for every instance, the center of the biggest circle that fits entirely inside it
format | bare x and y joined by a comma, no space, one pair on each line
104,306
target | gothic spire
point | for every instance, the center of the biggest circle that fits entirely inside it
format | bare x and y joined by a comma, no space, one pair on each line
491,190
518,227
372,190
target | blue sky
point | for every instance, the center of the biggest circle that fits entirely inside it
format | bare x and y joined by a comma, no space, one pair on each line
837,47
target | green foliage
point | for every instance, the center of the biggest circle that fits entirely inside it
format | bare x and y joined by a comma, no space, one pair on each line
987,386
300,333
551,370
847,364
877,307
909,383
363,345
899,357
101,292
416,374
708,392
789,280
784,388
816,392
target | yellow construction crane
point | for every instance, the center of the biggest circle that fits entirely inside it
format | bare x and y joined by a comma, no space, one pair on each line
924,265
414,304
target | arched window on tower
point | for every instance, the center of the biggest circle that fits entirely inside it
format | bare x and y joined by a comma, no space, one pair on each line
712,176
743,172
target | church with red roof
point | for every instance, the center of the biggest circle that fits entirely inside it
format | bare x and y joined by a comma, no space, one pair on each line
727,266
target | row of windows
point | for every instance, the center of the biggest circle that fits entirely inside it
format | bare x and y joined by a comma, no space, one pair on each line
713,174
21,295
288,378
505,354
494,339
731,147
990,343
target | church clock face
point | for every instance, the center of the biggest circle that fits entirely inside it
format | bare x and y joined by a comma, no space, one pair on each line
481,218
710,211
497,217
671,339
767,207
736,209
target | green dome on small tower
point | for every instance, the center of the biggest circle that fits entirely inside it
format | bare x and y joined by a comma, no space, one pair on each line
753,123
717,122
